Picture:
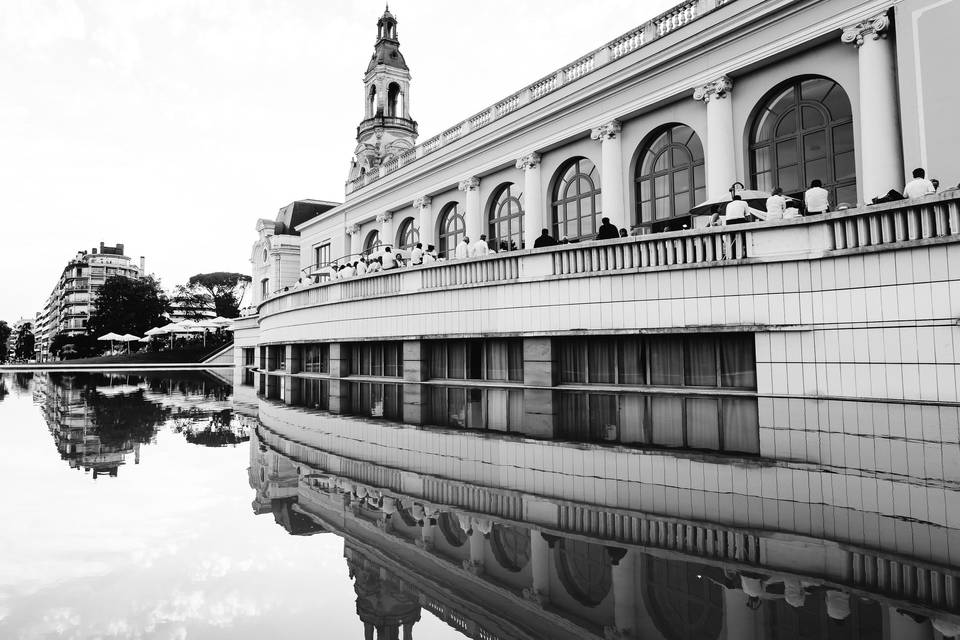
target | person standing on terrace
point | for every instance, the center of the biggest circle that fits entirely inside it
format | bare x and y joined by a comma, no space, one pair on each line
545,240
480,248
919,186
607,231
416,255
463,249
816,198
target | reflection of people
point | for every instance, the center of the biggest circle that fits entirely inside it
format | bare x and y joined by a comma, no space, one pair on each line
838,604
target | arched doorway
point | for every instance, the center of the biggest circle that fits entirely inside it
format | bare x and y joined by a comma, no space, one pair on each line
451,229
408,236
803,131
506,219
669,178
372,242
576,200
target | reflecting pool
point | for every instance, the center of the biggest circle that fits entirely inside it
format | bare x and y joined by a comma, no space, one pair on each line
160,505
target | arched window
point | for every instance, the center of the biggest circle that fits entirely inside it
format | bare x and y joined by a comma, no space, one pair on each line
372,241
584,569
669,177
683,598
408,236
511,546
450,229
372,102
450,528
393,100
506,219
576,200
803,131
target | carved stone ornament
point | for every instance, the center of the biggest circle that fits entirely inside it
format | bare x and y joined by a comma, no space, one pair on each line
713,90
353,229
877,26
470,184
529,161
606,131
386,216
422,202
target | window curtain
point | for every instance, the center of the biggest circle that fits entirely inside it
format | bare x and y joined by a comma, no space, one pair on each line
572,361
457,408
632,413
574,416
390,360
457,360
741,425
498,360
666,361
438,360
738,362
475,409
701,365
376,359
631,361
703,423
376,400
666,420
438,406
603,418
498,409
515,364
515,411
602,363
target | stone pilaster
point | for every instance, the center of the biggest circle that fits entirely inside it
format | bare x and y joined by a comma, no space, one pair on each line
720,160
534,216
428,225
611,173
474,215
386,228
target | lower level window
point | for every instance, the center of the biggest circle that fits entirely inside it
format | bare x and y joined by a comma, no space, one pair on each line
376,400
474,408
693,422
314,394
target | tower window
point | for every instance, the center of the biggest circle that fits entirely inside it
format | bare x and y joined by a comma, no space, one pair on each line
394,101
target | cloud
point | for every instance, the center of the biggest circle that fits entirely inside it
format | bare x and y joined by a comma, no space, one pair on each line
39,24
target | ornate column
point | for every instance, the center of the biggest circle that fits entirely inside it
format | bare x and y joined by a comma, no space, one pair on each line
386,227
611,173
534,217
352,241
539,590
881,157
426,222
473,214
623,579
479,528
720,159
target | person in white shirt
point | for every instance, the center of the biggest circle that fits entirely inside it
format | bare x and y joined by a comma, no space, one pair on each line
430,255
389,259
736,212
463,249
374,266
361,267
480,247
919,186
776,205
416,256
816,198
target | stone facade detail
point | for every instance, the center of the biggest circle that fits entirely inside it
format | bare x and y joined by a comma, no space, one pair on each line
714,90
877,27
529,161
470,184
607,131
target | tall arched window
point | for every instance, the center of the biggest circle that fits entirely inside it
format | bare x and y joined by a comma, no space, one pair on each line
372,241
506,219
408,236
669,177
450,528
576,200
683,598
372,102
450,229
393,100
585,570
511,546
803,131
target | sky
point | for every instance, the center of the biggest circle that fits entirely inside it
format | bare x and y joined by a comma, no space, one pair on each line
171,126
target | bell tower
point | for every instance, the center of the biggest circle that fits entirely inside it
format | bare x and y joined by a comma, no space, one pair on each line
387,129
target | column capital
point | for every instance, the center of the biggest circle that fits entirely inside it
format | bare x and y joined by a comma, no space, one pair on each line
353,229
386,216
714,90
606,131
422,202
470,184
877,26
529,161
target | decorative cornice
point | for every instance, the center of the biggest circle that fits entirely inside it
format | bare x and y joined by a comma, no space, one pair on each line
422,202
353,229
529,161
714,90
877,26
606,131
386,216
470,184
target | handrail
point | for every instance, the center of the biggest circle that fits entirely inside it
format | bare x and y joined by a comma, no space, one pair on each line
921,220
664,24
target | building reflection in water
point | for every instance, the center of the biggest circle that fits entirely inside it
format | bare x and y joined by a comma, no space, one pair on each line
496,563
100,420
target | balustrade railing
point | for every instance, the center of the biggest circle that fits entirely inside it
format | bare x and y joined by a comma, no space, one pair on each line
662,25
931,586
473,498
930,219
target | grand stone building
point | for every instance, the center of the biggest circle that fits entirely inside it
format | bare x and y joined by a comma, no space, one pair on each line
811,361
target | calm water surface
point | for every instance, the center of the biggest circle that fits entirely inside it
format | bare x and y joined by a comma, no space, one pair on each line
165,506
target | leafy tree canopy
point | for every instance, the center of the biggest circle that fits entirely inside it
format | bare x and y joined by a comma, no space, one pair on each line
128,305
24,342
5,331
191,303
226,289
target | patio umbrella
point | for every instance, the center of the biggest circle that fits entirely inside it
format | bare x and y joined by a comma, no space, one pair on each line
128,338
221,322
112,337
156,331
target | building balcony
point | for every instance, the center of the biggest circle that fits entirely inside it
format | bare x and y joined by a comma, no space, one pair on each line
387,122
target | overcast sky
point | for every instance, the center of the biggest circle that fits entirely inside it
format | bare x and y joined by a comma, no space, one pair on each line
172,125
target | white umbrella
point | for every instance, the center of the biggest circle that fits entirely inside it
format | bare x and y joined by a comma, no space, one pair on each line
112,337
220,321
128,338
156,331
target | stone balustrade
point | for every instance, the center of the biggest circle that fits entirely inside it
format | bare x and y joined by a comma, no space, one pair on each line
663,25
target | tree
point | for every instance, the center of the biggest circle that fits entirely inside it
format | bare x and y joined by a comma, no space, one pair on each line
23,347
5,331
128,305
225,288
74,346
191,303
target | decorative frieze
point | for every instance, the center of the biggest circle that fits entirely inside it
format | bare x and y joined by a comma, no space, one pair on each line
714,90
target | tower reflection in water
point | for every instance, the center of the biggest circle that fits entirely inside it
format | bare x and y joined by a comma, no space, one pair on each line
496,563
100,420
